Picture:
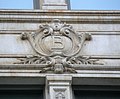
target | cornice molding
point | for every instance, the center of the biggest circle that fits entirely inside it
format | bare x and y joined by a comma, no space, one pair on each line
70,16
32,12
105,67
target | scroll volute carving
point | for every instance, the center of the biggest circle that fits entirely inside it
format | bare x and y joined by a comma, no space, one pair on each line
55,39
56,45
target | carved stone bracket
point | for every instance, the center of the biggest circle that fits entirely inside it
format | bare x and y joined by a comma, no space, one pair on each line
57,45
58,87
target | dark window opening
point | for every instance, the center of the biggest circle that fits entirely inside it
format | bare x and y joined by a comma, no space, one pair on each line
21,92
97,92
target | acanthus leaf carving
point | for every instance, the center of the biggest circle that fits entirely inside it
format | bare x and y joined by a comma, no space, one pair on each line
57,46
83,60
35,59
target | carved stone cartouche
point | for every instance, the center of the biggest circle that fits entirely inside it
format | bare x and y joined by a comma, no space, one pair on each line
57,45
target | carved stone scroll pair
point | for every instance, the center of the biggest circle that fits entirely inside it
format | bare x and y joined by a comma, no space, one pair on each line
57,45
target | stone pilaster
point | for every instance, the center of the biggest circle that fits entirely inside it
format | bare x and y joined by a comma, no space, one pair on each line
58,87
52,4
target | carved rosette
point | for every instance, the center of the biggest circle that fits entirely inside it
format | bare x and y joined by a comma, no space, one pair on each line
57,45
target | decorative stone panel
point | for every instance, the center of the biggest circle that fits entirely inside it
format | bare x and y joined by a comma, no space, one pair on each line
58,87
58,46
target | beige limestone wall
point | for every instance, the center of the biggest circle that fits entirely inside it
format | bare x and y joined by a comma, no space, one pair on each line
102,25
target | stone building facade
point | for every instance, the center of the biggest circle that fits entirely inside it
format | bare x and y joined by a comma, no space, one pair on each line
58,53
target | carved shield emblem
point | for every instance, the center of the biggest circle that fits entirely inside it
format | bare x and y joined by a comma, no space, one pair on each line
57,46
55,39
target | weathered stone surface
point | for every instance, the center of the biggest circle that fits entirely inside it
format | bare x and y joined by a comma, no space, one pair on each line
105,37
52,4
81,47
58,87
104,27
11,44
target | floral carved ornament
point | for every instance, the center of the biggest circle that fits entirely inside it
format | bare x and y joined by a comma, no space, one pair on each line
57,46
